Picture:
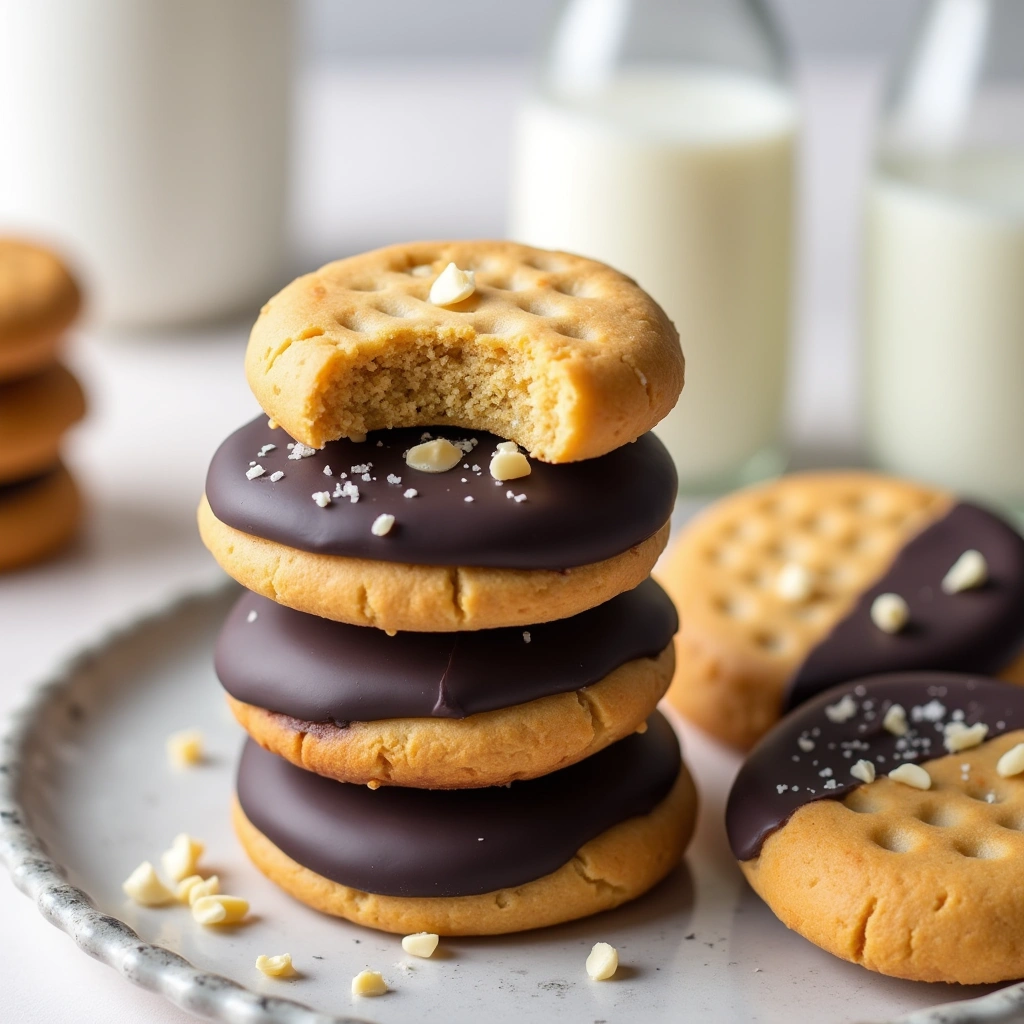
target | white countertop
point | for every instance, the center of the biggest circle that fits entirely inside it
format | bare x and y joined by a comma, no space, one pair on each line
161,403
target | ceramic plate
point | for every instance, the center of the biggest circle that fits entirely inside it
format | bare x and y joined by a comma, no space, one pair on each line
86,794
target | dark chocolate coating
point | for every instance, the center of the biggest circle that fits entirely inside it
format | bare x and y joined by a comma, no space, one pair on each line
416,842
574,514
978,631
317,670
756,808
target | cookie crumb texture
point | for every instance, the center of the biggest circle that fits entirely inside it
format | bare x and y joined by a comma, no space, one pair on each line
916,884
562,354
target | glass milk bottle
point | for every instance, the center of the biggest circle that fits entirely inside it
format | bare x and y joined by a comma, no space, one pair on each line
661,139
944,275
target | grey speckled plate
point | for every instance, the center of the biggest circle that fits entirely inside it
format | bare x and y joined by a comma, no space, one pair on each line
86,794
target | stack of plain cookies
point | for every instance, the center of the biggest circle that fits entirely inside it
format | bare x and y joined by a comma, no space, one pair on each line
40,399
449,653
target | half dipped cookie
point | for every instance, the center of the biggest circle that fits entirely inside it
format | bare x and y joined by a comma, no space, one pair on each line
445,710
354,532
474,861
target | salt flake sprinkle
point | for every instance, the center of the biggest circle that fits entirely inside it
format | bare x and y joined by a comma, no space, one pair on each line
301,451
322,498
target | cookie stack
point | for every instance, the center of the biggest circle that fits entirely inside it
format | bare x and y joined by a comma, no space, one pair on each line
39,400
449,654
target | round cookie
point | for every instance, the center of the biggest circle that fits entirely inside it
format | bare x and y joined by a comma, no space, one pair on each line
472,862
444,710
915,883
34,414
750,646
564,355
464,551
37,516
38,301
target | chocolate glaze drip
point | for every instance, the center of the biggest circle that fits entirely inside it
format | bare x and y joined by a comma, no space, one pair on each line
574,514
414,842
316,670
780,776
974,631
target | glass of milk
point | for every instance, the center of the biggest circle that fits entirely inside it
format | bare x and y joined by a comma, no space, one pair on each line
944,272
661,139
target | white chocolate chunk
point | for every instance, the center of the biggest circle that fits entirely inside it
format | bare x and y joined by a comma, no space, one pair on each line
794,583
911,775
369,983
603,962
895,720
452,285
889,612
968,572
842,711
180,860
143,886
219,909
864,771
382,524
437,456
420,944
510,466
185,748
195,888
1012,762
276,966
957,736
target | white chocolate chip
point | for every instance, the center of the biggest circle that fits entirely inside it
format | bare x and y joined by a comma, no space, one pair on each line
452,285
794,583
180,860
382,524
911,775
369,983
437,456
219,909
864,771
841,711
968,572
143,886
421,944
889,612
1012,762
509,466
276,966
185,748
189,891
603,962
957,736
322,498
254,471
895,720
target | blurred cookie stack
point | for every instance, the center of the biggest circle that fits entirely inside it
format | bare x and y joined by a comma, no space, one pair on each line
39,400
450,653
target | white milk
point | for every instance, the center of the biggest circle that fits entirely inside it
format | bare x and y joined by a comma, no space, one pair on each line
945,324
685,182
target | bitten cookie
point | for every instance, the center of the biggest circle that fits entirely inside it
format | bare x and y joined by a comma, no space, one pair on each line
780,594
38,301
37,517
34,414
477,861
355,533
562,354
884,821
444,710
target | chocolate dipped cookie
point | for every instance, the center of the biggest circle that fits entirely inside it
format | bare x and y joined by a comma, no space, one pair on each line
562,354
476,861
791,587
882,820
445,710
354,532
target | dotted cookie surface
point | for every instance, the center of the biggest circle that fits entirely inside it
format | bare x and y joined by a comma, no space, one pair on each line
562,354
740,640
